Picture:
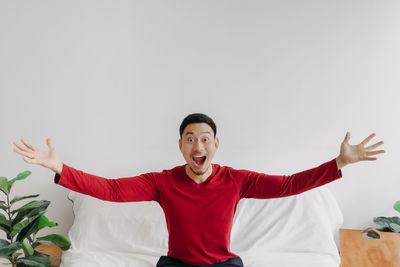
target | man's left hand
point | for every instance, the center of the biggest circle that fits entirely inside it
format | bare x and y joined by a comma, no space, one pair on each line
352,154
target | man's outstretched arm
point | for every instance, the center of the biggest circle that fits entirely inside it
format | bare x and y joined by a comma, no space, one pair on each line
260,185
137,188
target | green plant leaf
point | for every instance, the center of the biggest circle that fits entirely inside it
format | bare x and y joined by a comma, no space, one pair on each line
36,260
385,229
15,199
44,222
395,220
382,221
4,220
28,249
3,207
31,212
4,243
21,225
10,249
396,206
60,240
28,230
4,185
30,205
5,228
20,176
395,227
389,223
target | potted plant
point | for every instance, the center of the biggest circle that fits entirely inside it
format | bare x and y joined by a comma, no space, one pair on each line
21,226
388,224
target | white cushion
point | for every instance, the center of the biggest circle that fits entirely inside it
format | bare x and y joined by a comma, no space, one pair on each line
291,231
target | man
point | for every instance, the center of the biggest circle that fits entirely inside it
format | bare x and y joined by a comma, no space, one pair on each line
199,198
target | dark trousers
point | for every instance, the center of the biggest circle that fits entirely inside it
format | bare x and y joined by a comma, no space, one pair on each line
166,261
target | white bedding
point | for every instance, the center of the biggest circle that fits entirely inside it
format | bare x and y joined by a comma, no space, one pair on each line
293,231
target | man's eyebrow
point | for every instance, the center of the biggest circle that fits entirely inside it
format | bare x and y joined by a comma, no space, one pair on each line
201,132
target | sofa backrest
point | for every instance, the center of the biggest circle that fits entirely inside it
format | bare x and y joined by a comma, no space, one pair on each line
276,229
291,231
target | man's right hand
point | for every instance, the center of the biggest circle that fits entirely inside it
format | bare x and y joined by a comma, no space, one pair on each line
45,158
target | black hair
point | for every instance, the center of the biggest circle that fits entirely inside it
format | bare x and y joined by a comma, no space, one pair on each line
197,118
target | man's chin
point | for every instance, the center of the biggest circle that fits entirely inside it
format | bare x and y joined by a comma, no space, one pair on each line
199,171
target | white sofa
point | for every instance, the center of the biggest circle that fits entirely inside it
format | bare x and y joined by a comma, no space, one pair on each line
285,232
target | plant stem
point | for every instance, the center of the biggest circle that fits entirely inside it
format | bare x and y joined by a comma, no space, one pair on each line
9,218
9,212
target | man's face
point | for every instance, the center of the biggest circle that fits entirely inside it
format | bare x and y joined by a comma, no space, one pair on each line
198,146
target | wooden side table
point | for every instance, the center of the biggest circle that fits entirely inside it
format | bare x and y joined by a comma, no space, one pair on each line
357,250
53,251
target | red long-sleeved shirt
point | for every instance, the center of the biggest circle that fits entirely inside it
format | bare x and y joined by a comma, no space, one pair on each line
199,216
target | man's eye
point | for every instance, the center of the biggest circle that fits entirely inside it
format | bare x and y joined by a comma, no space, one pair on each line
205,139
191,139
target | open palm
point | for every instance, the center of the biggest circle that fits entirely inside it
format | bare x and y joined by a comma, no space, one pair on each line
354,153
46,158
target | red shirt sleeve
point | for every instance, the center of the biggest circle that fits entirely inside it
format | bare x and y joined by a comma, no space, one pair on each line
259,185
138,188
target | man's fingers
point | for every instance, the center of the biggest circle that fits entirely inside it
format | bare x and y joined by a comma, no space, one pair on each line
49,143
372,147
375,152
369,158
27,144
366,140
347,137
28,160
24,153
20,147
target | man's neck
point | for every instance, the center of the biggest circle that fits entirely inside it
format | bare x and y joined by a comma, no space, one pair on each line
198,178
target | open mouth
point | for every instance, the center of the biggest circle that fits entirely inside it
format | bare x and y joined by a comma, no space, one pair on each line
199,161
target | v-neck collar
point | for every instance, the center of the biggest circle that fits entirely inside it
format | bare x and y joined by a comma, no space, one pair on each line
202,184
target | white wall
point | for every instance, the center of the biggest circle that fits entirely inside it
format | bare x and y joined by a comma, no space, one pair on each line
111,81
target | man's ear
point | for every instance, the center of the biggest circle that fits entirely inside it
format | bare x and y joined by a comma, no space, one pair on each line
180,145
216,142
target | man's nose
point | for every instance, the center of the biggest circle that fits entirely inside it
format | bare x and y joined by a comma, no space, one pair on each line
198,146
